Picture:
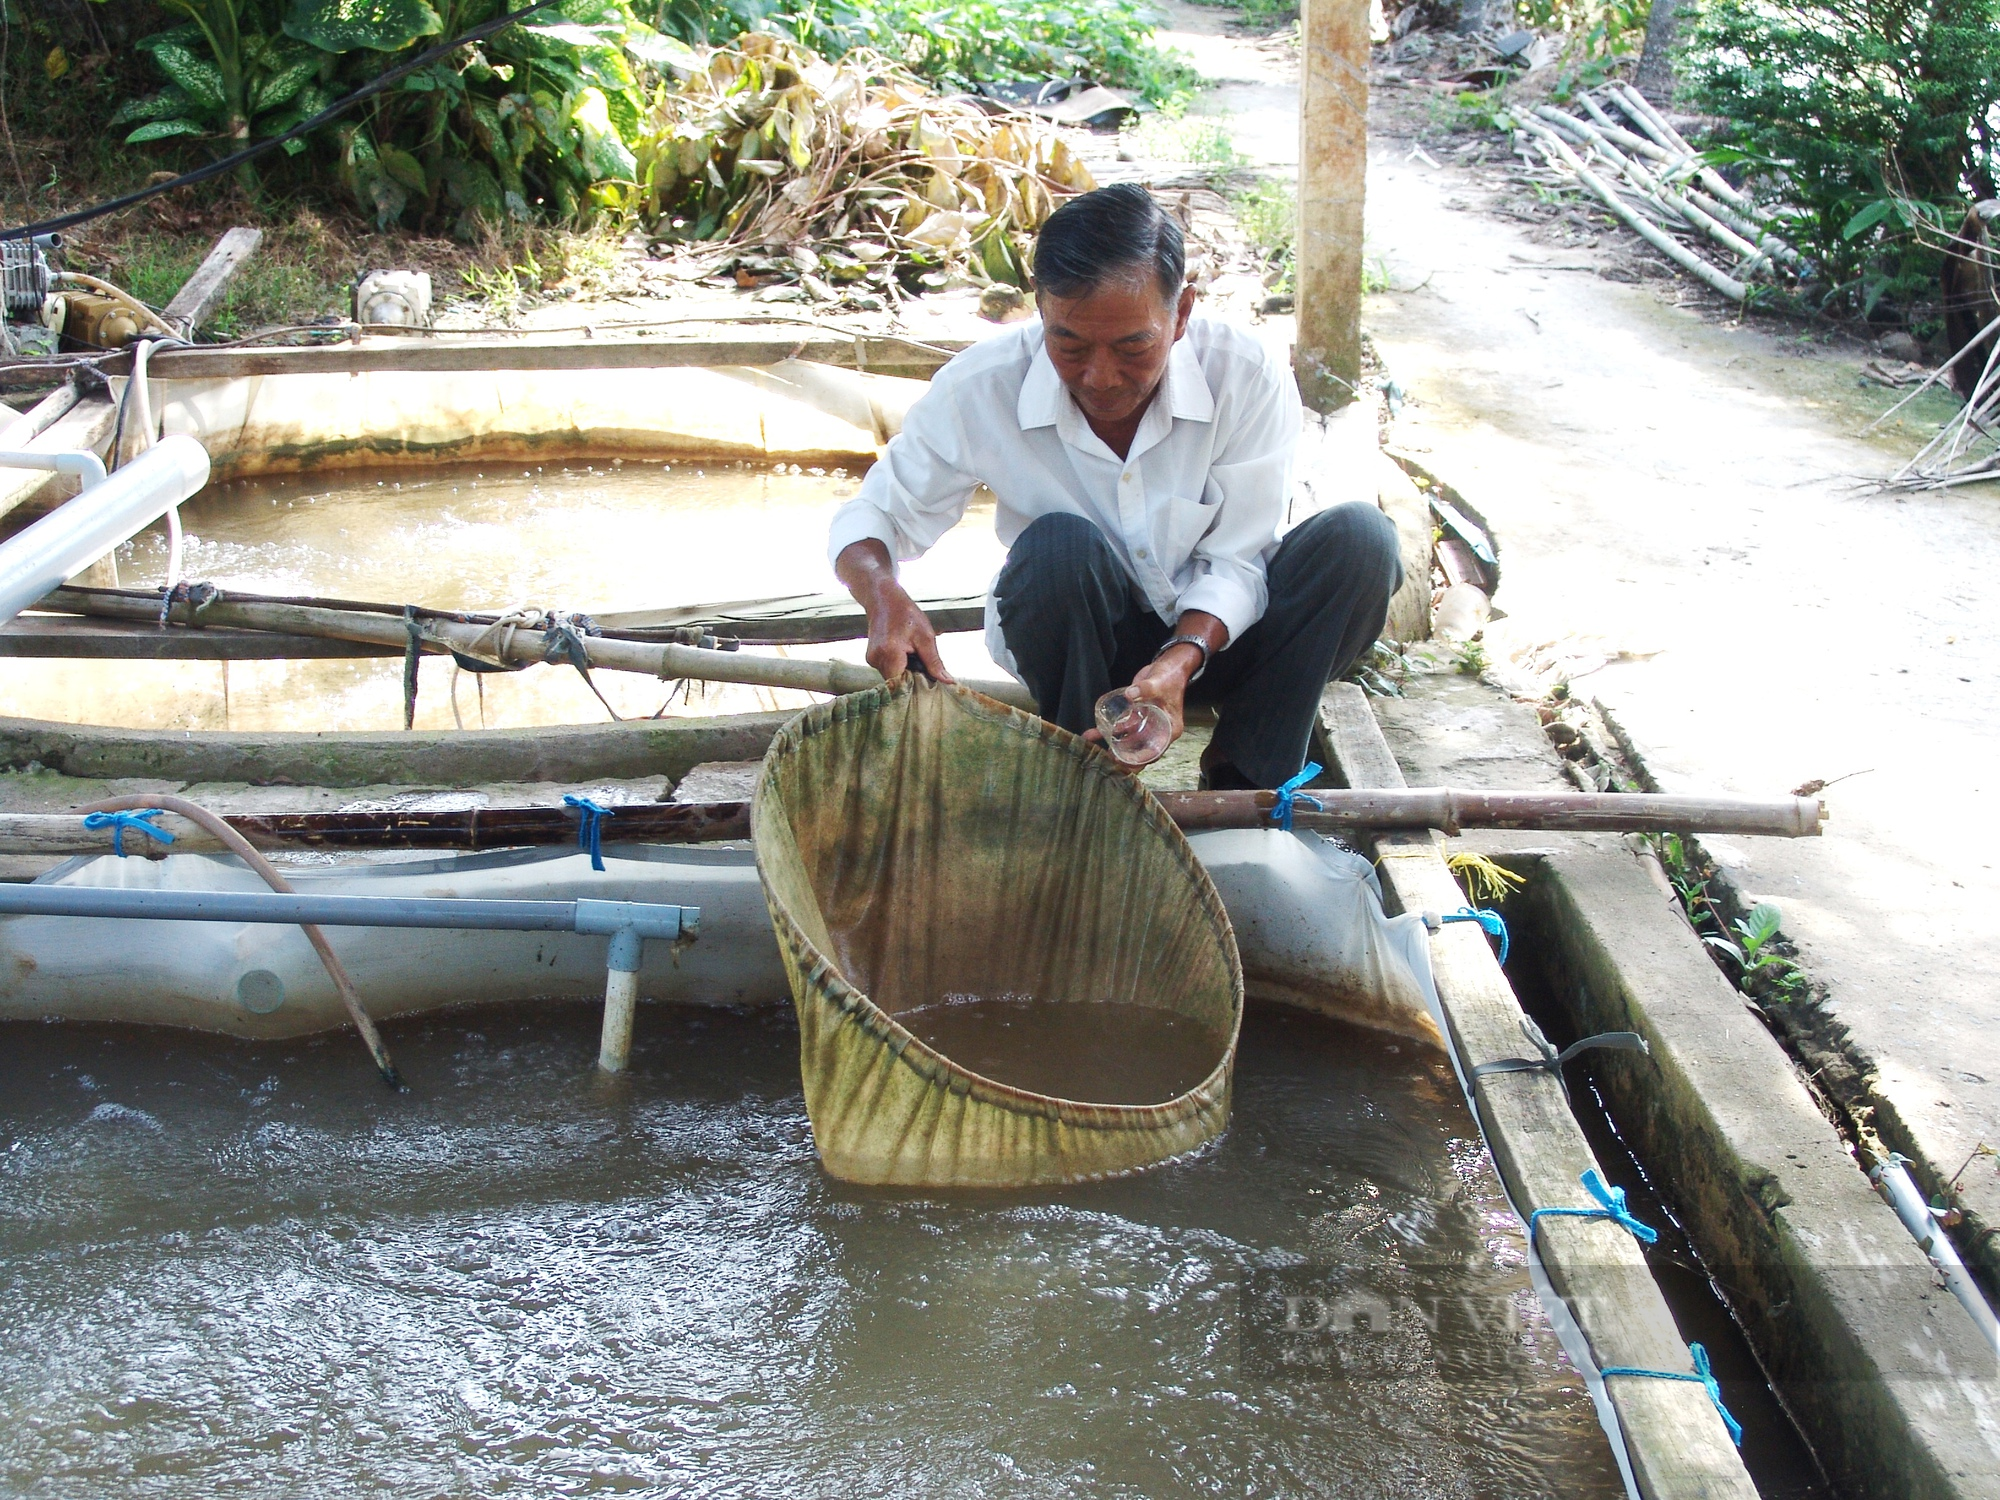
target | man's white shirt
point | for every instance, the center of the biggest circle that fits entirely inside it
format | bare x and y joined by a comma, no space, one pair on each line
1192,511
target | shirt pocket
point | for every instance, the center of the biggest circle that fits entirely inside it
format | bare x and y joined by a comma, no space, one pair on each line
1180,525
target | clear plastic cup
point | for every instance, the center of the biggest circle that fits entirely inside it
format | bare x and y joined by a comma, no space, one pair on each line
1135,731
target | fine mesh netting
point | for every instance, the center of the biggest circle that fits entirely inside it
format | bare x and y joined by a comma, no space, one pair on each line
1008,965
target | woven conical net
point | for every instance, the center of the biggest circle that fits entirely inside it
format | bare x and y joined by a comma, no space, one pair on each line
930,856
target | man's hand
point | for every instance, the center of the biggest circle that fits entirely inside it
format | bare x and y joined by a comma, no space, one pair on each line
897,628
1164,680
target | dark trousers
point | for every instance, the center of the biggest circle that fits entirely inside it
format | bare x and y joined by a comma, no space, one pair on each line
1078,627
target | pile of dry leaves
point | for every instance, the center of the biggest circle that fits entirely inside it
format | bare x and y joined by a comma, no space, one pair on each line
846,180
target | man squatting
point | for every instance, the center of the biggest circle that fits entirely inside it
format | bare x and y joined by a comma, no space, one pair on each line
1141,460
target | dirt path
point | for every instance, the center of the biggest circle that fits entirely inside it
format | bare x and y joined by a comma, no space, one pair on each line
1684,537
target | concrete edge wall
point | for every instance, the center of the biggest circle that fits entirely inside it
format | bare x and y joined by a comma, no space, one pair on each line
1882,1369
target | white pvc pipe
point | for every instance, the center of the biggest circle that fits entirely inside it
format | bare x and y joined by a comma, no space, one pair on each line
1892,1179
621,996
73,536
88,467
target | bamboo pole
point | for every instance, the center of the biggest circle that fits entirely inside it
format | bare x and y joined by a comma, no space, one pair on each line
1721,281
1751,255
1740,213
512,645
1333,173
1339,811
1653,123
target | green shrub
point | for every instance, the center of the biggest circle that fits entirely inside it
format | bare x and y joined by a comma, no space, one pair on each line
532,122
1873,118
957,43
538,121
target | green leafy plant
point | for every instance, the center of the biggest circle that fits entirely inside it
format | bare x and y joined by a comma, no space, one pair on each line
540,120
1748,943
1268,214
534,122
232,75
1753,933
958,43
1596,28
1874,119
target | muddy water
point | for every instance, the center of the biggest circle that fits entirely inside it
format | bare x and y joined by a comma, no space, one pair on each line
597,538
249,1269
1099,1053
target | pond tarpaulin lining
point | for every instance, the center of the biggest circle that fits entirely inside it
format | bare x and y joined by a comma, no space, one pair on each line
918,841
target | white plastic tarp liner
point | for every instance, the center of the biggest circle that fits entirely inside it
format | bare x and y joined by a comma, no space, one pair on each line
198,974
1307,915
278,424
1311,931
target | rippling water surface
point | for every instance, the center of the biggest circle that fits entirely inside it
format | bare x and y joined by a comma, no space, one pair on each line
236,1269
600,538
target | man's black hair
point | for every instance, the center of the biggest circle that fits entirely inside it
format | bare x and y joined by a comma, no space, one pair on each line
1107,234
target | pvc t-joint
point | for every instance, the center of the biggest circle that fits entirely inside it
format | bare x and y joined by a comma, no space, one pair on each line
649,919
626,951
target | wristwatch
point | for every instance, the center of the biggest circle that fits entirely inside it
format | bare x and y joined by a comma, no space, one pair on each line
1187,640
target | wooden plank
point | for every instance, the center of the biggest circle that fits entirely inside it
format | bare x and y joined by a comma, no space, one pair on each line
84,426
1333,172
1676,1441
454,354
197,298
571,753
32,423
67,637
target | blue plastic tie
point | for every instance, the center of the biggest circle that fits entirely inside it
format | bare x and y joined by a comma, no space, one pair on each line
118,822
589,827
1288,796
1610,1205
1702,1376
1488,919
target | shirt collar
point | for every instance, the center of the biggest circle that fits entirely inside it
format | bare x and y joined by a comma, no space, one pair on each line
1188,396
1041,392
1184,387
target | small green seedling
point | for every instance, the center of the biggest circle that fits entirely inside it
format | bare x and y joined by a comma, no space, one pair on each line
1754,933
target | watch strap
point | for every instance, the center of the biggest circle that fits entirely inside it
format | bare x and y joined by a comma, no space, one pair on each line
1187,640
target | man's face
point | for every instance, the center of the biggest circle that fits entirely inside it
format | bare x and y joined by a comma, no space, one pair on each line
1110,347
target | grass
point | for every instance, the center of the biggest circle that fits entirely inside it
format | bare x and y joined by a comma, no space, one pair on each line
306,267
1268,214
296,276
1172,134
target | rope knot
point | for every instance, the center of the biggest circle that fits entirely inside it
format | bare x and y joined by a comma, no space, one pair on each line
589,826
1703,1376
118,822
1486,918
1290,797
1610,1205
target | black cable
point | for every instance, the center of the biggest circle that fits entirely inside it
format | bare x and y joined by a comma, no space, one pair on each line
333,111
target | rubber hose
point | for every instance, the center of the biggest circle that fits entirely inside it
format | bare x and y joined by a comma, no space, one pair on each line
241,848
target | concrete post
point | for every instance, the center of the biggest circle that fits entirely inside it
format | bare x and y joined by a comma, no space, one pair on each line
1333,170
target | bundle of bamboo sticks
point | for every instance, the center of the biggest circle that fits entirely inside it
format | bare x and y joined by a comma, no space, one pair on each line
1660,187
